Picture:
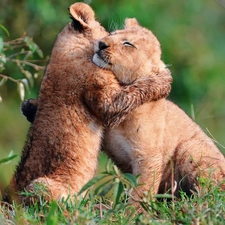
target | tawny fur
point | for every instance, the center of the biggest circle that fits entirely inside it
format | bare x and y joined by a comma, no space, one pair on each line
157,140
76,99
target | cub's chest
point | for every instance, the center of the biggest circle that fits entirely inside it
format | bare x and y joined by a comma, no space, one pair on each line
120,143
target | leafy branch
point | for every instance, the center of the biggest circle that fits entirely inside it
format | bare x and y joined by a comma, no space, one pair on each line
20,52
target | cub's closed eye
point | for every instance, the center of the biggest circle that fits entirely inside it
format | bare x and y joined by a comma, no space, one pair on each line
127,43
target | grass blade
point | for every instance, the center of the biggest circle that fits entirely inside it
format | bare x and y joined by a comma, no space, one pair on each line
117,192
7,159
91,182
131,178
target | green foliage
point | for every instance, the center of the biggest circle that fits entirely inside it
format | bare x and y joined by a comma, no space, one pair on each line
20,52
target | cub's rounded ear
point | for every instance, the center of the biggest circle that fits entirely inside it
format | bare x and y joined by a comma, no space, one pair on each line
131,22
81,14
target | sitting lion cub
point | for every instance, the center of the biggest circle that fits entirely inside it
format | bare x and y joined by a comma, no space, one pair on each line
157,140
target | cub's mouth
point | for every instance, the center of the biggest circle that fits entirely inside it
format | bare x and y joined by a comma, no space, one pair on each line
101,57
99,60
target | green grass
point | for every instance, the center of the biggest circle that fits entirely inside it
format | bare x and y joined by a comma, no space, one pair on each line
105,202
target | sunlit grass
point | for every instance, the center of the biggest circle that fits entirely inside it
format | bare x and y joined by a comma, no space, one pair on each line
105,203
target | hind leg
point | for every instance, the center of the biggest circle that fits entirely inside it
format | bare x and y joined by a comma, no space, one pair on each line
196,158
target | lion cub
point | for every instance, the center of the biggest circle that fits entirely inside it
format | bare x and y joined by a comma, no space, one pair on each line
76,99
157,140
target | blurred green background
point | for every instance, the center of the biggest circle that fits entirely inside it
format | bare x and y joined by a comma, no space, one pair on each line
192,35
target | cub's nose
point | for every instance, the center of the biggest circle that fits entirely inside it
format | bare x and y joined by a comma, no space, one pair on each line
102,45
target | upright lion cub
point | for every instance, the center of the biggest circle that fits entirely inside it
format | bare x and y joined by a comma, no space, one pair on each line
157,140
76,99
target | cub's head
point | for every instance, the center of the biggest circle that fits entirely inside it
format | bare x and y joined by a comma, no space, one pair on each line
76,39
130,53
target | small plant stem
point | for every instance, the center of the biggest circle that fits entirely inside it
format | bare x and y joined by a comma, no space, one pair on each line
10,78
16,54
36,67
